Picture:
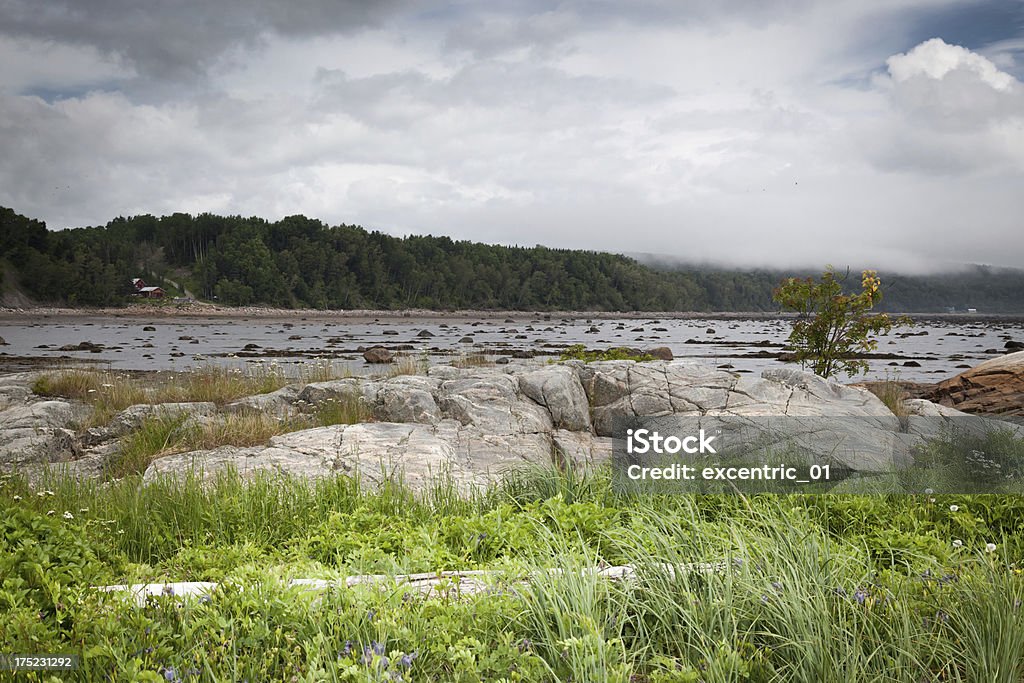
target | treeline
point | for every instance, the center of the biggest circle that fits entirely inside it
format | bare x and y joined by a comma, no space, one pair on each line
301,262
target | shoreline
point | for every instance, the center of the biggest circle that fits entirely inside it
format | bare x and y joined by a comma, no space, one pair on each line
214,311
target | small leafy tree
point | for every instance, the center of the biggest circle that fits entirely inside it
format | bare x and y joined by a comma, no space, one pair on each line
832,326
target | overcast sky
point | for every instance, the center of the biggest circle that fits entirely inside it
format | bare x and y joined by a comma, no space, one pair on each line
747,132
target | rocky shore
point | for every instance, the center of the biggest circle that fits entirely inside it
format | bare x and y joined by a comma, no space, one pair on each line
472,424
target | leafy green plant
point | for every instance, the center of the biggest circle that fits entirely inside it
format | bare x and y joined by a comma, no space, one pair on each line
833,326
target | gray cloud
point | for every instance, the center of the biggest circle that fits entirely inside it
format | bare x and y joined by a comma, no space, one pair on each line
177,40
730,132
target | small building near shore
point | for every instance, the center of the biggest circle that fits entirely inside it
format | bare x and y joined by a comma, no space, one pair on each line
151,292
138,283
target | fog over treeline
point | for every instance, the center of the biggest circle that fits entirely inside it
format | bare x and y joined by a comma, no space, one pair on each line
302,262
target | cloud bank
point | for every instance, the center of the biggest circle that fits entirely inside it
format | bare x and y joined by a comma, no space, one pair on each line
742,133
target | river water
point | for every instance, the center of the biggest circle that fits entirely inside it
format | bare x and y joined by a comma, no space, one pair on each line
927,352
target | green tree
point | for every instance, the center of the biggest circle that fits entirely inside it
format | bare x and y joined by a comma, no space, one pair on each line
833,326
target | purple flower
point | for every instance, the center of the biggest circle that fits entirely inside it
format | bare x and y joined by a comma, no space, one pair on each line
406,660
841,592
776,585
170,674
861,595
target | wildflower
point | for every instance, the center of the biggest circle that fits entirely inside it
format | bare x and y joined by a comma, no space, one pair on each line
990,547
929,491
17,498
776,585
841,592
957,543
168,589
68,515
954,508
83,510
171,675
861,596
407,660
51,512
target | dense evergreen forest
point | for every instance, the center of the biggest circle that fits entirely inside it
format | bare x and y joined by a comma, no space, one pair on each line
301,262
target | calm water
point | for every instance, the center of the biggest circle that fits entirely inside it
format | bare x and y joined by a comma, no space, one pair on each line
938,346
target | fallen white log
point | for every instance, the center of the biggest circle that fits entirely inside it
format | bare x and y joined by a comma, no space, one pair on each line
461,582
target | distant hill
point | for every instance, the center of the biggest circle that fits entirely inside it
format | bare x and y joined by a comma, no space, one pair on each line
301,262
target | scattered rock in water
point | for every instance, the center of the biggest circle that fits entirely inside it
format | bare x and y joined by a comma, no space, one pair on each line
3,342
911,364
424,334
392,333
466,340
710,330
660,353
251,347
1015,345
295,337
82,346
378,354
149,328
185,337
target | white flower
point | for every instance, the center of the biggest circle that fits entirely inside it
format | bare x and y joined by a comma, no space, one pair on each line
51,512
957,543
929,491
83,509
68,515
91,391
49,493
931,500
17,498
990,547
954,508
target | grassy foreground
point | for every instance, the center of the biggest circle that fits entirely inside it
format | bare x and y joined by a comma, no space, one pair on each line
816,588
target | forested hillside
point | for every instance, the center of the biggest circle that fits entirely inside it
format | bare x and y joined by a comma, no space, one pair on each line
301,262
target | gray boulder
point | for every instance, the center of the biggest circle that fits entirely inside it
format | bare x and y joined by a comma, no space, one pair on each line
558,389
491,403
280,402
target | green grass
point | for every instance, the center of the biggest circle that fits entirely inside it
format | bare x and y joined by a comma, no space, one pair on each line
814,588
580,352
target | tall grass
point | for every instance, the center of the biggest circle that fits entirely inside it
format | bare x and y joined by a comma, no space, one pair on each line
110,392
892,394
764,589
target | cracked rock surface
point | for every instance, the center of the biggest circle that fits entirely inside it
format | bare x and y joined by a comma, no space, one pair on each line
475,423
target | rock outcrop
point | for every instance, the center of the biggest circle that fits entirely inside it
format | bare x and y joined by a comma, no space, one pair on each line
995,387
472,424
